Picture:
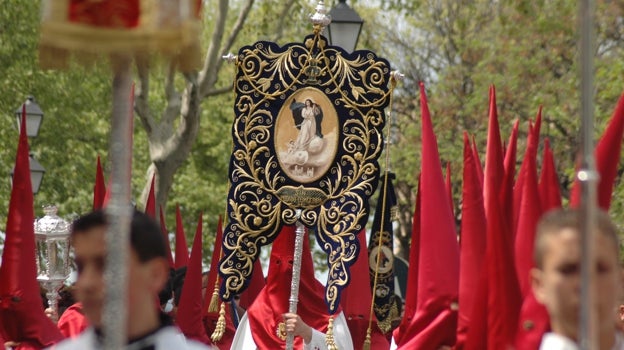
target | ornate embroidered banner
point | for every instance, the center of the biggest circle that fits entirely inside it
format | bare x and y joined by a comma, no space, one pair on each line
307,135
380,247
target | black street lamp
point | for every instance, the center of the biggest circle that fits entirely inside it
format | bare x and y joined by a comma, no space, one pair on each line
34,117
344,29
36,173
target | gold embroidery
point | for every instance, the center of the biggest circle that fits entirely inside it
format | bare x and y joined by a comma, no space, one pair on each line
273,171
280,331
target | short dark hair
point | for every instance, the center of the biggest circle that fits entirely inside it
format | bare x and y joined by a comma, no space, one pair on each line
145,237
556,220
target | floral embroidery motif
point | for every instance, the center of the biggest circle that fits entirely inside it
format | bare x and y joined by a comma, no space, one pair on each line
280,331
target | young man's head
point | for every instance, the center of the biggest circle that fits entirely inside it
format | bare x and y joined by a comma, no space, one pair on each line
147,274
556,276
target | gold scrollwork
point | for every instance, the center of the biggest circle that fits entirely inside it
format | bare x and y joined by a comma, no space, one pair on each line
301,197
263,196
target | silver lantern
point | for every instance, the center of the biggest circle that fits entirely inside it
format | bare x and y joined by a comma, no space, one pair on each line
52,238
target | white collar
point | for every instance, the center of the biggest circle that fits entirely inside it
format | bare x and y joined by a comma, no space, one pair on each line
552,341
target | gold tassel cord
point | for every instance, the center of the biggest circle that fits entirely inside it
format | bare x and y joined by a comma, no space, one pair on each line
329,337
220,327
367,341
395,76
214,300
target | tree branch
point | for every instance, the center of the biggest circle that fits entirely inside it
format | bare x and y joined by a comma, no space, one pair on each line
279,32
173,98
186,132
141,105
209,81
238,26
207,76
219,91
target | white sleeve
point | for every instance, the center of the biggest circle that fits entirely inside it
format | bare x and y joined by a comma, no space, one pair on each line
317,342
342,336
243,339
393,345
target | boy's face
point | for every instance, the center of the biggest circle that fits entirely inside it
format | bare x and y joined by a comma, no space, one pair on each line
90,254
557,283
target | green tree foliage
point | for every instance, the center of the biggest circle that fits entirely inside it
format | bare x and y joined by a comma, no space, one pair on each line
527,49
75,126
77,103
201,182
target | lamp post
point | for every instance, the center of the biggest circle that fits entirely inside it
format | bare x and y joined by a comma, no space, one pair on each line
36,173
52,239
34,117
345,27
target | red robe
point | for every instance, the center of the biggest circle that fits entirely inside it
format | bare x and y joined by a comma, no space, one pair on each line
72,321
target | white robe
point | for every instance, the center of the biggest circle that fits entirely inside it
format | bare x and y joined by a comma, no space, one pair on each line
552,341
167,338
243,340
307,129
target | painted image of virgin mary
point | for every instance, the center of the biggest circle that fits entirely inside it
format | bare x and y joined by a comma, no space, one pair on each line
308,118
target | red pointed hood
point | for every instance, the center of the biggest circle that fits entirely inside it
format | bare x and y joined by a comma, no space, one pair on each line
509,166
256,283
189,316
211,318
449,186
472,244
165,233
494,170
265,314
99,189
356,300
528,214
358,306
503,291
530,153
549,190
411,297
435,321
511,152
607,154
534,322
21,310
475,155
181,248
150,204
107,194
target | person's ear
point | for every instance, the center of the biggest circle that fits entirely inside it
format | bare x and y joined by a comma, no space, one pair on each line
158,270
537,284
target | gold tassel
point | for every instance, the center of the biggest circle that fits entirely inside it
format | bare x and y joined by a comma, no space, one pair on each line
329,337
220,326
214,300
367,341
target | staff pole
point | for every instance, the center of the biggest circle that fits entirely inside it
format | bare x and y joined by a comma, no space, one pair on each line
588,178
118,210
